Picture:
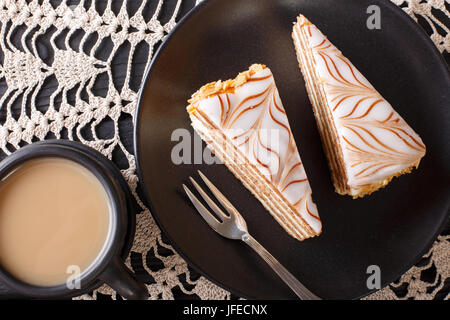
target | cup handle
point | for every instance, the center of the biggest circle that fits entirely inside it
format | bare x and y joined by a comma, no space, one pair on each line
121,279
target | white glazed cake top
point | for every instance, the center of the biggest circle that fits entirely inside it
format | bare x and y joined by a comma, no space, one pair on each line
376,142
254,119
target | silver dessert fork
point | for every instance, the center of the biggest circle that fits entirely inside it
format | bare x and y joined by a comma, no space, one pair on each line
233,226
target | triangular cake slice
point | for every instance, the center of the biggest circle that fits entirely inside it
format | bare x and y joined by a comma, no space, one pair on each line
366,142
245,125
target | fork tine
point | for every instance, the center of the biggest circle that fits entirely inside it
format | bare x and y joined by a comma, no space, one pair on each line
209,218
208,200
224,201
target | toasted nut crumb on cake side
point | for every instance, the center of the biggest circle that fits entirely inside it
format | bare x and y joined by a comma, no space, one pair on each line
228,86
376,186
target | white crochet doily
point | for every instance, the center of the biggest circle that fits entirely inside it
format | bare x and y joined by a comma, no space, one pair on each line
50,89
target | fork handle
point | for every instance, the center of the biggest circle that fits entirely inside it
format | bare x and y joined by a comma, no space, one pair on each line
298,288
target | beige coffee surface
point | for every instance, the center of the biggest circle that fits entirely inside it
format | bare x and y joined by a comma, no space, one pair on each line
54,213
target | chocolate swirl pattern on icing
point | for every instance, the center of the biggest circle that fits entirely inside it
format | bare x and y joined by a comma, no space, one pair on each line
376,142
254,119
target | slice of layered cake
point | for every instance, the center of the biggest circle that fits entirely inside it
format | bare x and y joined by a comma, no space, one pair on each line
245,125
366,142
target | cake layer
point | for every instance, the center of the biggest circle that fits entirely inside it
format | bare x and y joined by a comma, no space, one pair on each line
324,121
246,126
366,141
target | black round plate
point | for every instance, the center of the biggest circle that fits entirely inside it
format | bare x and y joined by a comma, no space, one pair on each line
391,228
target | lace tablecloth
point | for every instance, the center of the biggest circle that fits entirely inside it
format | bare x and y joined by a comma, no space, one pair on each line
72,70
